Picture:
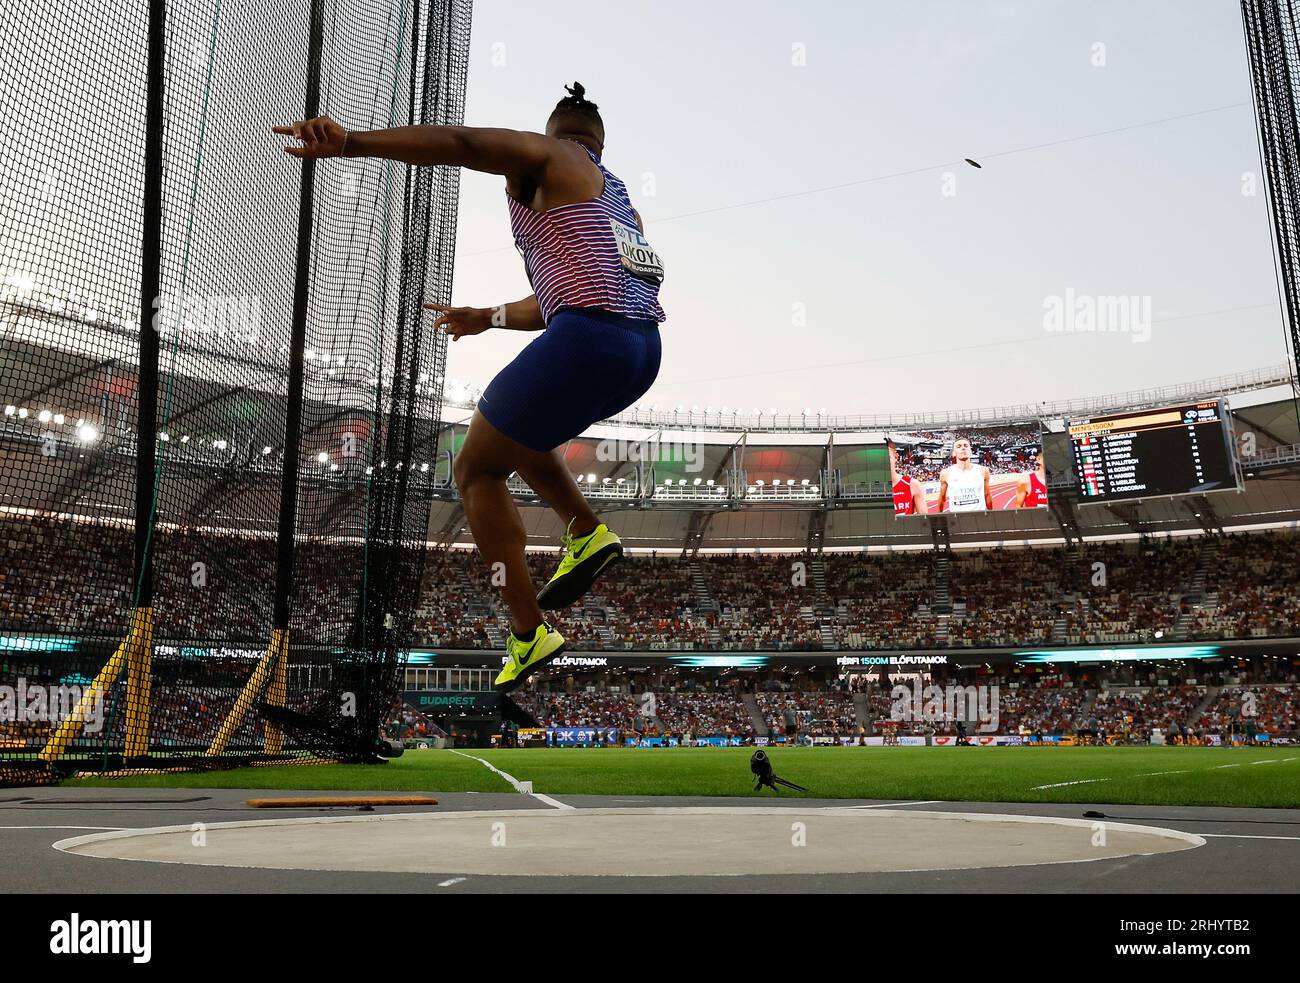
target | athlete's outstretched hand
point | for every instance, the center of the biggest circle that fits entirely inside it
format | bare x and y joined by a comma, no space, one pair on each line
321,137
461,321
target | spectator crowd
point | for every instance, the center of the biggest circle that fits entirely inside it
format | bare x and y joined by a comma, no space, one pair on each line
59,576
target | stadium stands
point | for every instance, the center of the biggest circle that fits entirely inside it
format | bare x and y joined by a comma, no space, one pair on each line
827,713
1136,712
881,600
703,713
1263,595
1005,597
761,604
1237,586
1274,709
1091,710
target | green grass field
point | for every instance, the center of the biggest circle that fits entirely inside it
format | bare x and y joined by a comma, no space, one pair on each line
1142,776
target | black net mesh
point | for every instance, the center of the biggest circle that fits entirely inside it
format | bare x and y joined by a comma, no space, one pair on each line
1273,45
167,589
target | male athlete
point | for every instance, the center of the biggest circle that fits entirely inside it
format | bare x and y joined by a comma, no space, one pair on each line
964,486
596,287
1031,487
909,494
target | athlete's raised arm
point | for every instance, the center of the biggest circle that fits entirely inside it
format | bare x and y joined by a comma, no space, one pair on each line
480,148
541,171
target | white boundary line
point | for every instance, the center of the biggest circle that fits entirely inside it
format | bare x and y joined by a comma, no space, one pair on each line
71,844
524,788
1145,774
1244,836
1153,774
66,827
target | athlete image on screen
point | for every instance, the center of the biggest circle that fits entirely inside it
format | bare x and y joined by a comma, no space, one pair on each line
964,486
1031,488
909,494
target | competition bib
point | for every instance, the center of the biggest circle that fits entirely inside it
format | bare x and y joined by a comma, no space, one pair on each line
965,491
635,254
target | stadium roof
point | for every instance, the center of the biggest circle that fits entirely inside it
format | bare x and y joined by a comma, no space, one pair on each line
730,482
820,421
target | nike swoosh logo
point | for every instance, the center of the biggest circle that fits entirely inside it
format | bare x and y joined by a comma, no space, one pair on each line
589,541
523,659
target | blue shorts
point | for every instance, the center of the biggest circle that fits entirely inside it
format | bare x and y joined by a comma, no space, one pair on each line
586,366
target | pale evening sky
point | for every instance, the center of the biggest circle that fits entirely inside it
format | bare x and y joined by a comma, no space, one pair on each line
888,294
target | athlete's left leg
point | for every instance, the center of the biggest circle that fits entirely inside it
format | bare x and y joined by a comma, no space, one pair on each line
487,458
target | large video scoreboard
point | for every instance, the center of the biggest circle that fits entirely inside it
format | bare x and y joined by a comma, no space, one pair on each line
1175,450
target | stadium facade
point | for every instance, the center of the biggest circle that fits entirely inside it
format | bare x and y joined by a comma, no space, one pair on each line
686,483
678,479
692,479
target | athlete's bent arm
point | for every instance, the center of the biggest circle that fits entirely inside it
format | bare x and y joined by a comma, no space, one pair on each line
988,490
943,490
519,315
918,496
1022,490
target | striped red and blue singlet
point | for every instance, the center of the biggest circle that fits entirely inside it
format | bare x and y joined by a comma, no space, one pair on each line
572,256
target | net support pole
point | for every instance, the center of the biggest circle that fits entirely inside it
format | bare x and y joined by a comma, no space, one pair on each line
1269,27
135,653
146,458
288,523
287,526
274,664
139,667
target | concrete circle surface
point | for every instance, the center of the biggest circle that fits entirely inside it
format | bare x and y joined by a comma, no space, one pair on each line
640,842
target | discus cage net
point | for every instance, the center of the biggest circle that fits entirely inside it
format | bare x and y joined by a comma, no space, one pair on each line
218,384
1273,48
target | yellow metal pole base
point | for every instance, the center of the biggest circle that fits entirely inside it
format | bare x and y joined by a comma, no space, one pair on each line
277,692
138,639
139,684
279,645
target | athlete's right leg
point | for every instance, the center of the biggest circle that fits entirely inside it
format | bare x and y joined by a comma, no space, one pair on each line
582,369
549,476
482,466
589,545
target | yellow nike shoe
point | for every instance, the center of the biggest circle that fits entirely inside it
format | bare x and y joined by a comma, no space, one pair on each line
584,558
526,655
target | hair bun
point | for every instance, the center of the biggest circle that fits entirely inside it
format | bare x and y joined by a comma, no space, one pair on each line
576,91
